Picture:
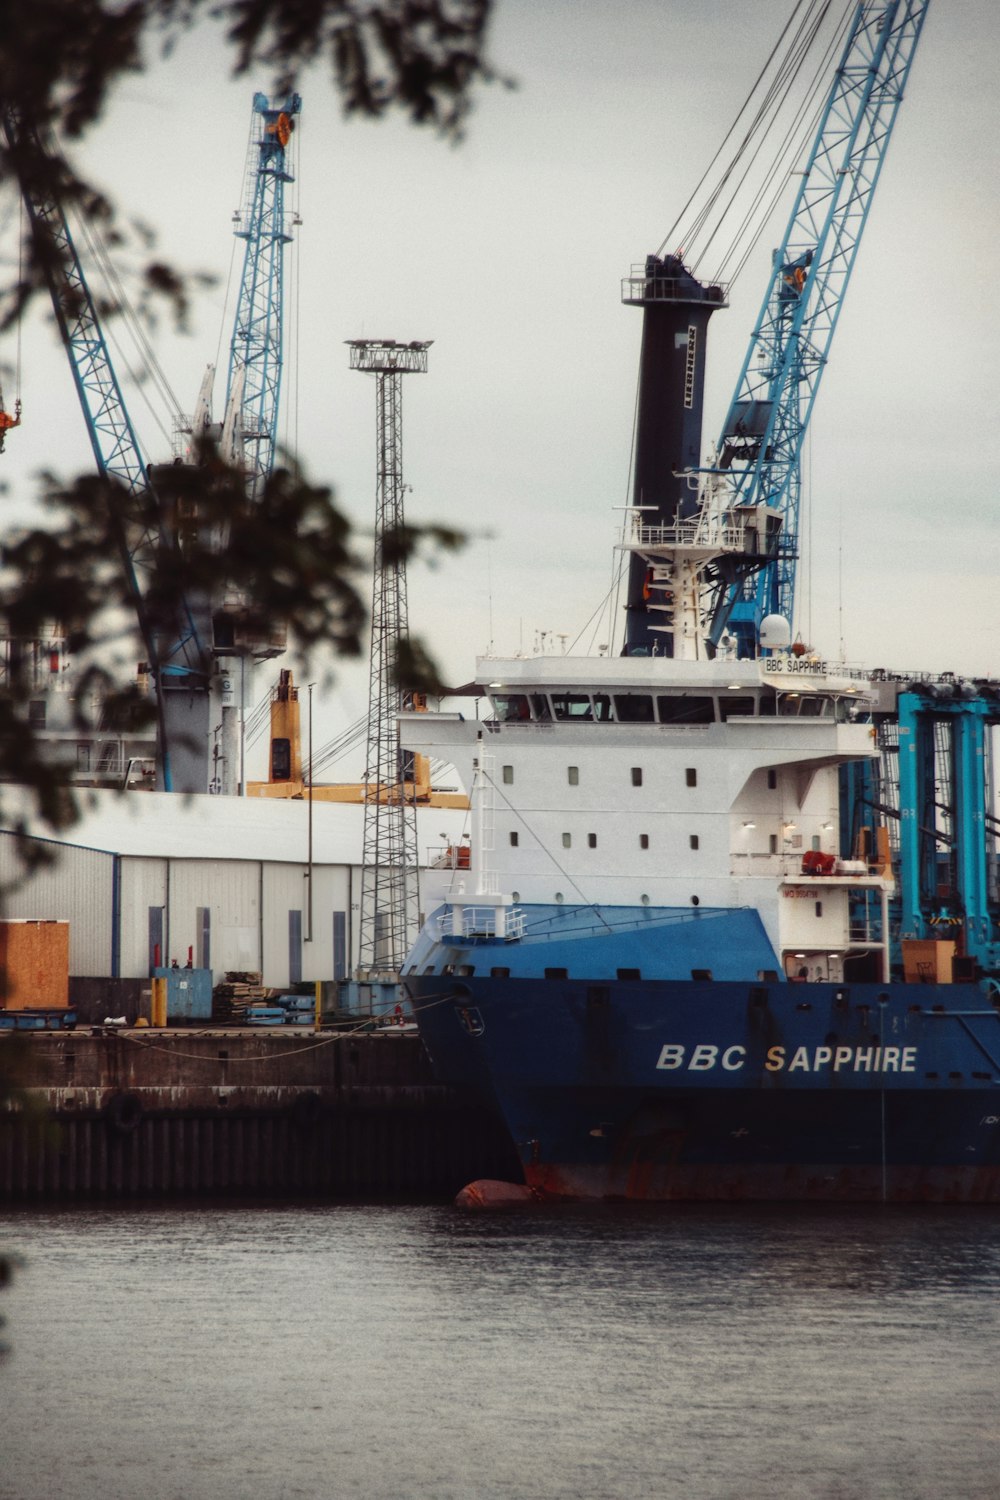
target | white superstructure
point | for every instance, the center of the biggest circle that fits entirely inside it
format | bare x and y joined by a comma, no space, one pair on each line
647,781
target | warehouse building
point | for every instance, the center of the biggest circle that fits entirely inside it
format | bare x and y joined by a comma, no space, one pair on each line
222,883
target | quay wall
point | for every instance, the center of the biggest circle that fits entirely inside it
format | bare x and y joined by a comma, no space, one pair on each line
167,1113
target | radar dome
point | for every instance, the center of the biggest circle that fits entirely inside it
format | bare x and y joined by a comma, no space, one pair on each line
775,632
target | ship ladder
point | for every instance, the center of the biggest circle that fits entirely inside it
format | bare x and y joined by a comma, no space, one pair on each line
659,594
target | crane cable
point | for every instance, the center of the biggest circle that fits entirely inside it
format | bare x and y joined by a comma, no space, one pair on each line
801,129
671,236
692,229
700,230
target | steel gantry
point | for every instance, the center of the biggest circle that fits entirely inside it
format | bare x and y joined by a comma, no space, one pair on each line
760,447
389,896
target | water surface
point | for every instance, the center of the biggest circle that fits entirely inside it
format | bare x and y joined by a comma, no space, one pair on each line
226,1352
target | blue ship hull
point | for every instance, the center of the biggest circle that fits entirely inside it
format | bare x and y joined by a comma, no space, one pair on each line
619,1078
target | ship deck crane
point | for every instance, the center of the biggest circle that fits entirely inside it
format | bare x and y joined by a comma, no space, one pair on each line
760,447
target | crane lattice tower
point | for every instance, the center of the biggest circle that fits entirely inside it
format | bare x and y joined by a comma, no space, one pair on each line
255,355
389,895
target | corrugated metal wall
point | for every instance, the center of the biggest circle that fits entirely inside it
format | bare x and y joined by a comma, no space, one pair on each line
143,885
78,888
230,892
237,914
285,892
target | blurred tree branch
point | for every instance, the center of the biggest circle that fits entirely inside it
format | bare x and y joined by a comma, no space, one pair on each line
290,553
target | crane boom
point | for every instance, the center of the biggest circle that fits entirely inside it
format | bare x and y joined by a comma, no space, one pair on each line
179,657
760,448
112,437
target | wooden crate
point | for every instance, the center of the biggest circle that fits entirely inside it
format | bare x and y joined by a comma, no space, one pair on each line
34,965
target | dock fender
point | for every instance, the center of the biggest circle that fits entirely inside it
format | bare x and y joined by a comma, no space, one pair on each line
306,1110
123,1113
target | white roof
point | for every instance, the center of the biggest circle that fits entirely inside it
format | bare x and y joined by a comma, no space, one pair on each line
178,826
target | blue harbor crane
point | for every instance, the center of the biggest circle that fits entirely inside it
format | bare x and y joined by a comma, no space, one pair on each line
178,659
760,448
255,356
188,660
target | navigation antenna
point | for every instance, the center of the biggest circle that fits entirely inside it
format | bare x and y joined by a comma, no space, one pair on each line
389,897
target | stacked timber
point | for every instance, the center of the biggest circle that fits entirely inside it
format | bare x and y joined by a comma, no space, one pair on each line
233,996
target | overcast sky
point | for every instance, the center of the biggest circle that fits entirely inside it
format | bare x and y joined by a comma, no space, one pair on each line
508,253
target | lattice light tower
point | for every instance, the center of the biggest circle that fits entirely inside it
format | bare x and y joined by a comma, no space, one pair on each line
389,897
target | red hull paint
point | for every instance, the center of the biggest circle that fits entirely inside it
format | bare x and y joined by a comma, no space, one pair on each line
656,1183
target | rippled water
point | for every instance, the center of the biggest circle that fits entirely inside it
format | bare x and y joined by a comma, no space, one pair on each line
231,1352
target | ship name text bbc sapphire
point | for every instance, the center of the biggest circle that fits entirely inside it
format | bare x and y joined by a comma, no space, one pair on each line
704,1057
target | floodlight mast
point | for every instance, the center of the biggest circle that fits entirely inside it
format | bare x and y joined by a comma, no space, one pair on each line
389,917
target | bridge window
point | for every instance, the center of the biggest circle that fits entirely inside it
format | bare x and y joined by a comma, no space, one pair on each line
691,776
693,840
634,708
736,708
567,840
507,772
513,838
572,706
637,776
512,706
573,775
644,841
591,840
682,709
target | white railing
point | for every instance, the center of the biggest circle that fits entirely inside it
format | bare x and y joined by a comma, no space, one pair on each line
481,921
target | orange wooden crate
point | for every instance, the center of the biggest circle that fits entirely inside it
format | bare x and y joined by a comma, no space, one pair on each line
34,965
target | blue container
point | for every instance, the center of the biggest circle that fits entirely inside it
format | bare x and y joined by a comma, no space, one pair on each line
189,993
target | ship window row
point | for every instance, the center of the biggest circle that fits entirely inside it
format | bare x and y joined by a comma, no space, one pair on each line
635,775
659,708
694,840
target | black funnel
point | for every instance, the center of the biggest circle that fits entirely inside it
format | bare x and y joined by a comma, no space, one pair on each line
676,308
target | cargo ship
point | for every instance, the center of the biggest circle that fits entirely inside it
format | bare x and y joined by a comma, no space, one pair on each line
728,927
660,968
